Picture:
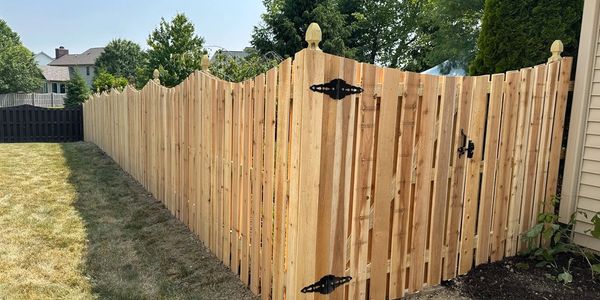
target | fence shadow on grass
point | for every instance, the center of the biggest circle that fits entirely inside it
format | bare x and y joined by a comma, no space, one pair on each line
136,249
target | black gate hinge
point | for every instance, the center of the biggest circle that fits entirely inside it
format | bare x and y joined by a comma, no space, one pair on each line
336,89
326,284
466,147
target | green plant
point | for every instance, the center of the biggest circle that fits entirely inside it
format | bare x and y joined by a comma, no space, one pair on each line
175,50
105,81
77,91
557,240
122,58
18,71
239,69
517,33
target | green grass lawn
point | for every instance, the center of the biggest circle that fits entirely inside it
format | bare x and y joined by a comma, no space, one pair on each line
73,225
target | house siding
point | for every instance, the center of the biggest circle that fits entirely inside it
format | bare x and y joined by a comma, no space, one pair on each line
581,187
82,70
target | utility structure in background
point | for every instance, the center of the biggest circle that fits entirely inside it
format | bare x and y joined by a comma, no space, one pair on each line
327,175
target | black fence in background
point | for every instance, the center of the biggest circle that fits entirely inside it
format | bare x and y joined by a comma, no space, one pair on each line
27,123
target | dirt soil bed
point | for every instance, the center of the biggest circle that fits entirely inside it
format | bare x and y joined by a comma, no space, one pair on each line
519,278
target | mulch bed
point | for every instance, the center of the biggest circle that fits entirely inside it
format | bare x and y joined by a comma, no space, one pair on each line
519,278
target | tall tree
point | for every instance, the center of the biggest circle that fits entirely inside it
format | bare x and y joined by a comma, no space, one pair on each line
18,71
384,31
122,58
175,50
372,24
7,36
456,25
518,33
284,25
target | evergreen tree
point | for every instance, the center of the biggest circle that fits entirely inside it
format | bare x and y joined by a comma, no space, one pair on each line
518,33
77,91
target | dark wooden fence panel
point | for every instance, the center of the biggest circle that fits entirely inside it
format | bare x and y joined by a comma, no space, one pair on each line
26,123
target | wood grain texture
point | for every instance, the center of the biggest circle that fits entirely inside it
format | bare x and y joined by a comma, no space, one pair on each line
285,185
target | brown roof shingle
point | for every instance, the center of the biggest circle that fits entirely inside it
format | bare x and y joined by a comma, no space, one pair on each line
86,58
53,73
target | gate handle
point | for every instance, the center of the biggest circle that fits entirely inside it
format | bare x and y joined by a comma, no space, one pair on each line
466,148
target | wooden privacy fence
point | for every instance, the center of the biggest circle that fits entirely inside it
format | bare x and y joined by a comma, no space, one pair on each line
286,185
26,123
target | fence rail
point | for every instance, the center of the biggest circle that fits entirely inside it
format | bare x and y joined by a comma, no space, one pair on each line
26,123
35,99
286,185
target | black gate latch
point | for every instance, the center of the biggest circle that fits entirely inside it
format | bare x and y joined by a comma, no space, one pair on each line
336,89
326,284
464,148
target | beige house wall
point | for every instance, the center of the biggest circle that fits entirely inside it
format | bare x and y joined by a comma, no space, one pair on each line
581,184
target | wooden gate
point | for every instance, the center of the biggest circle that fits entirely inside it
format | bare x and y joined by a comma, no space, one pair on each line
286,184
419,178
27,123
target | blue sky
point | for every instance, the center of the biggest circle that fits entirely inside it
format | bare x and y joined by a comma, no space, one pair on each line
78,25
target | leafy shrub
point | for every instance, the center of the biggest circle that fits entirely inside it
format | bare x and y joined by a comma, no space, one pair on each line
558,241
105,81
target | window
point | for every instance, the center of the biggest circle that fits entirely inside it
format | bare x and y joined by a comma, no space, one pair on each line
63,89
54,87
87,71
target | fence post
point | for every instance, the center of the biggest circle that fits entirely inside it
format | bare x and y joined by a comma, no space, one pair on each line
51,99
205,63
308,260
313,36
156,76
33,99
556,49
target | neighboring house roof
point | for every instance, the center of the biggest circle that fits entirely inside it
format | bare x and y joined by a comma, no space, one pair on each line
437,70
53,73
87,58
233,54
42,58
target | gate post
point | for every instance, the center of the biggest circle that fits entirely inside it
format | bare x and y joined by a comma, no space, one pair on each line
307,111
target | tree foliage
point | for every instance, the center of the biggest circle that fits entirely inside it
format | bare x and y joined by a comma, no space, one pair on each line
239,69
77,91
122,58
7,36
105,81
455,29
284,25
18,70
175,50
410,34
518,33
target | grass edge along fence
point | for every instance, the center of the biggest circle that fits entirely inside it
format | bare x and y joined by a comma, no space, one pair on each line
286,184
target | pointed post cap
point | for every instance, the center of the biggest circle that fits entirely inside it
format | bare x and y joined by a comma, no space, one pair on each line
156,76
314,36
205,63
556,49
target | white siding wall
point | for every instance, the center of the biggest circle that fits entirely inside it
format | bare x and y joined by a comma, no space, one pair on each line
82,70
